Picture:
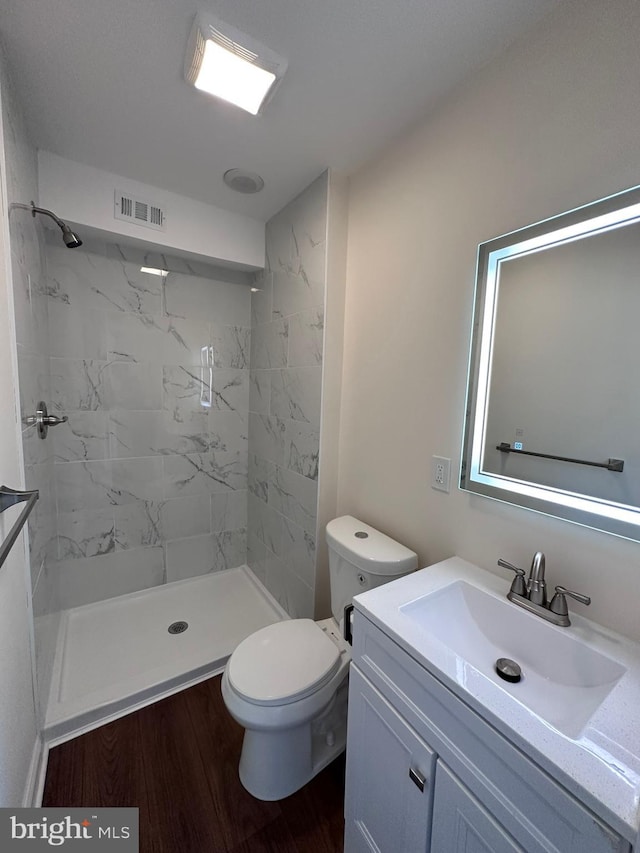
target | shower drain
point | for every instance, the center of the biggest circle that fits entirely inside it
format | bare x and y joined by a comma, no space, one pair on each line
177,627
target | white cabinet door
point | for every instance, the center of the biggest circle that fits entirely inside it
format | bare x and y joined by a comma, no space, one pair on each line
461,824
389,772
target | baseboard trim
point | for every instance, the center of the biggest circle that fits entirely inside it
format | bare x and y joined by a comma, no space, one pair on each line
34,786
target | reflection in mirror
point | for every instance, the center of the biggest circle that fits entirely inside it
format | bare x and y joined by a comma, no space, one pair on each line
555,352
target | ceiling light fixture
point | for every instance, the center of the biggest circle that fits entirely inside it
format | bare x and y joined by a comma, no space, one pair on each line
230,65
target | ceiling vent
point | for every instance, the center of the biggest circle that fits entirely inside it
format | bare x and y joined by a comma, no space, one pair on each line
139,211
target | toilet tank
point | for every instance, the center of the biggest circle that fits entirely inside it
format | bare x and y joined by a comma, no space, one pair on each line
361,558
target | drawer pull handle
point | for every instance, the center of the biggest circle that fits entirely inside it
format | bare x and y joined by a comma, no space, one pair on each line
417,778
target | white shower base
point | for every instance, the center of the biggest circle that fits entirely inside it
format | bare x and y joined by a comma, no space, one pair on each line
117,655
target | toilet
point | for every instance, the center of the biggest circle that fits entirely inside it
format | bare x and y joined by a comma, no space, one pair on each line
286,684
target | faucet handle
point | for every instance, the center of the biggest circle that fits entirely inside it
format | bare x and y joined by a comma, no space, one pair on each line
518,587
559,602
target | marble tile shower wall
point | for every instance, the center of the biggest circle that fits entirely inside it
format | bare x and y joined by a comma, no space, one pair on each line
34,379
151,468
287,326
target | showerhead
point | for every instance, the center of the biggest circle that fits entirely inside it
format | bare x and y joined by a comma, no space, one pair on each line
71,239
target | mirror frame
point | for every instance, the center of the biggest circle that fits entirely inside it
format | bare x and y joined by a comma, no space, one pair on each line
597,217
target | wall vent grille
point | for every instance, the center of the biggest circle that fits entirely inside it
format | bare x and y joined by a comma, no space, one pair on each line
140,211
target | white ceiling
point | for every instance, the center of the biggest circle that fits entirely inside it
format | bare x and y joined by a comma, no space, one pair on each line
101,83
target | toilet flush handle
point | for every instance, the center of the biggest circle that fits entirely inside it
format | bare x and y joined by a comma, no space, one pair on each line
347,629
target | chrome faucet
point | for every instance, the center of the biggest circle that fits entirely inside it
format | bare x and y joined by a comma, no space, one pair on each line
532,594
537,586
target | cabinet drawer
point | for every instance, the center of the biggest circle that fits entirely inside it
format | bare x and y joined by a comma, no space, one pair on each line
539,813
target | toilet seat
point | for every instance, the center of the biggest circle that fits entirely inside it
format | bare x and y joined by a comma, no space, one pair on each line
283,662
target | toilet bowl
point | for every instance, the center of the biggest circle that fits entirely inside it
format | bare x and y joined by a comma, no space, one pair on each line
297,725
286,684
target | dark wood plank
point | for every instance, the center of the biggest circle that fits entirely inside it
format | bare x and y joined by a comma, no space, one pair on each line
315,813
274,838
239,815
113,770
179,799
114,775
177,761
63,781
101,769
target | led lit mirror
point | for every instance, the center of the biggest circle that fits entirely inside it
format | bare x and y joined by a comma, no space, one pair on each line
553,402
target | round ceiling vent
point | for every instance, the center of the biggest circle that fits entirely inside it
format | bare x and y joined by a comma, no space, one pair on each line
243,182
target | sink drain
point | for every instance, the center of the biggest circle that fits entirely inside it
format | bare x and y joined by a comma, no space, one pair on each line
509,670
177,627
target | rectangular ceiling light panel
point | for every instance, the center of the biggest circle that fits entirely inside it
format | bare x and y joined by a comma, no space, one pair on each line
231,65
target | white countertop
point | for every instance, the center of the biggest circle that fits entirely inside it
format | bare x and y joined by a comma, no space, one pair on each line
601,764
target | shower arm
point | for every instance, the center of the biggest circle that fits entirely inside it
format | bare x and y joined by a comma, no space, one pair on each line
34,209
71,240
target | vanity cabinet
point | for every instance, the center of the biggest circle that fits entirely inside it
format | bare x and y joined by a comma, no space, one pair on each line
427,774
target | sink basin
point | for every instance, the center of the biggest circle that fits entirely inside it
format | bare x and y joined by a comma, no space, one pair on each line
564,680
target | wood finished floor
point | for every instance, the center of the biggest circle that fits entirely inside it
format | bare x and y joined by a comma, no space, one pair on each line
177,761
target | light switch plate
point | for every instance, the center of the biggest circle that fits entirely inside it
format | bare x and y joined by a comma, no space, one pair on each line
440,473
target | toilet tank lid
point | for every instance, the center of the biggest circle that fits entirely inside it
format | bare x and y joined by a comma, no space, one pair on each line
374,552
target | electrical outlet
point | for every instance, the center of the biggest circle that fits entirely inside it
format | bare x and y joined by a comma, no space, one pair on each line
440,473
